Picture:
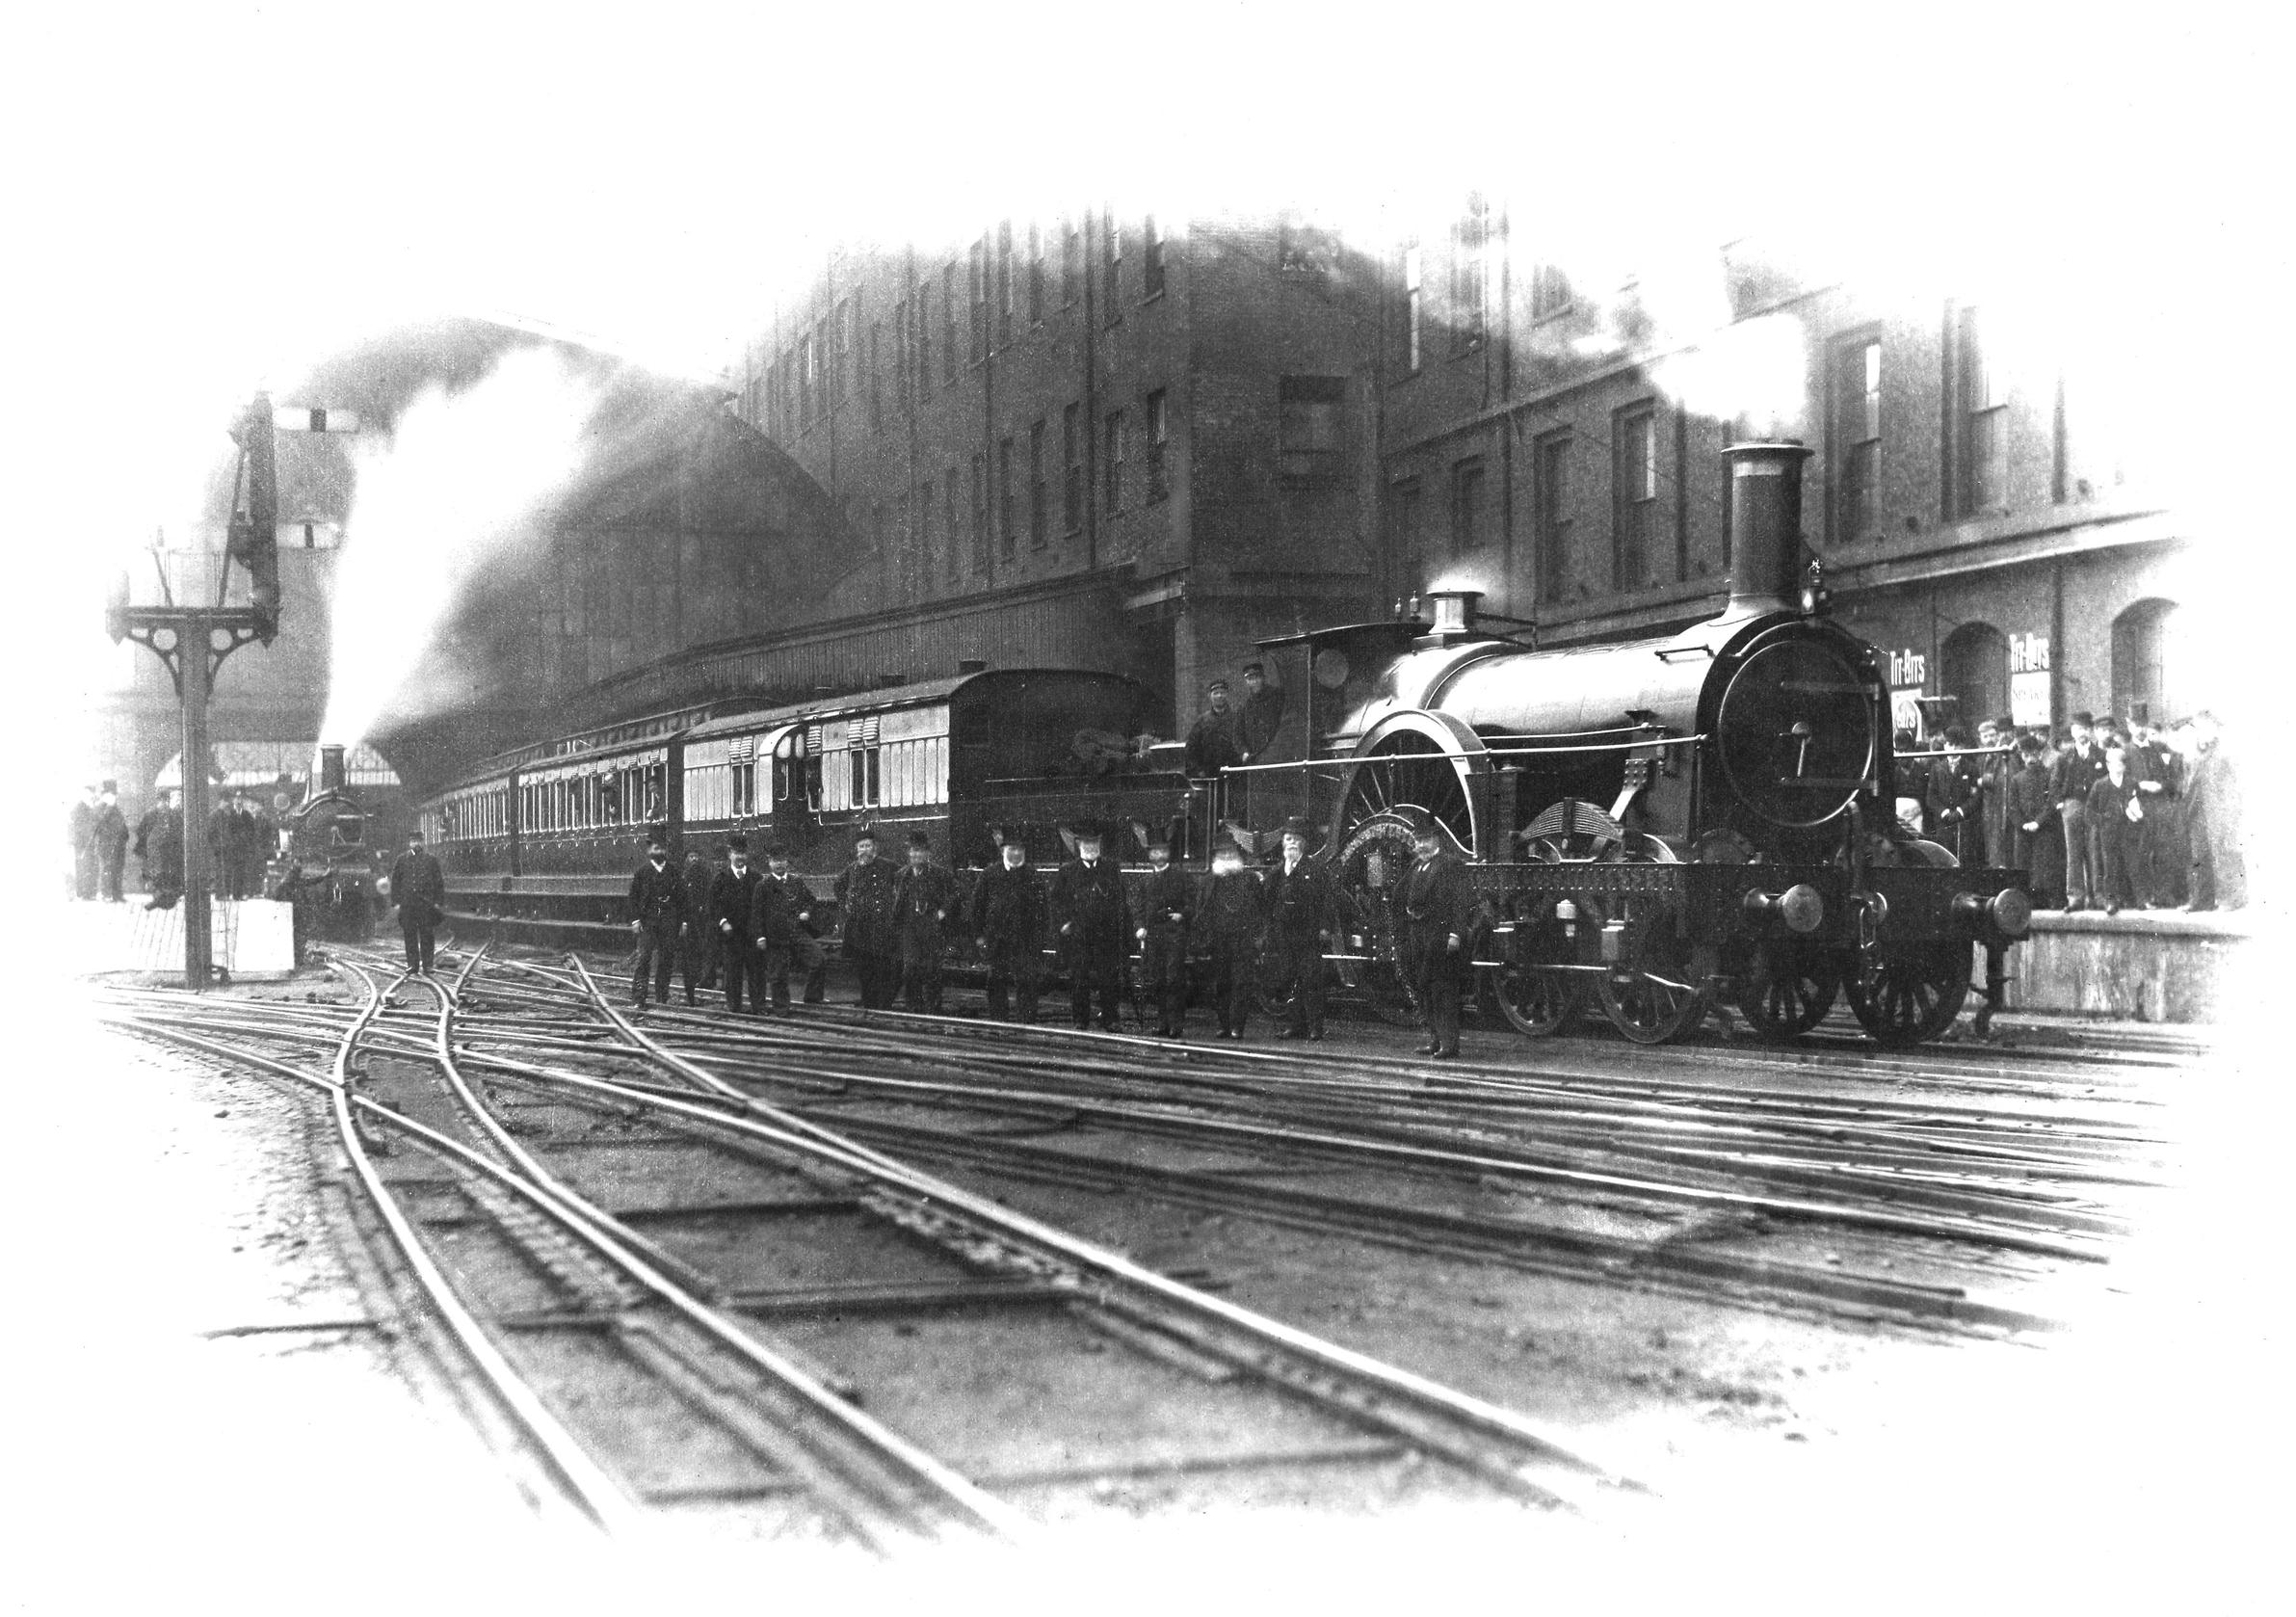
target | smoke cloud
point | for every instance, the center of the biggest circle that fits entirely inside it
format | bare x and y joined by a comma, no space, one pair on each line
463,482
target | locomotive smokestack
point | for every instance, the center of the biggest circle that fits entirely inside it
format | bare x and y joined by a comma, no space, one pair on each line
331,775
1765,525
1454,612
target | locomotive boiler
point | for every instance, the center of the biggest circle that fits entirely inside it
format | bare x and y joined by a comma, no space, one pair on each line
1659,824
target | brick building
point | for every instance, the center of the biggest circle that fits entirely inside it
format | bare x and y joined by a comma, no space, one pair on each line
1140,442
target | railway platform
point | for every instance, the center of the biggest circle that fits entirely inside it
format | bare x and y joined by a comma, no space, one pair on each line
2138,965
255,938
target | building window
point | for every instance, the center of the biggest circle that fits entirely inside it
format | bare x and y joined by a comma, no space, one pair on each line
1151,259
1550,503
1857,436
1071,454
1414,306
1467,506
2143,661
948,322
1467,239
1985,424
1072,262
1634,495
1040,514
1004,498
949,509
1159,430
979,513
1035,275
979,285
1004,283
1112,462
1550,292
1111,242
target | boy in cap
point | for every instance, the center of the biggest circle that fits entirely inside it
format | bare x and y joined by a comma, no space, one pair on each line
1299,898
923,895
866,898
1165,900
733,896
1227,918
1008,923
1088,914
657,920
781,922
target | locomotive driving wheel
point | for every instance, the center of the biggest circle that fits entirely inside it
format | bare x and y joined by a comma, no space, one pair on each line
1537,999
1912,994
1656,991
1789,990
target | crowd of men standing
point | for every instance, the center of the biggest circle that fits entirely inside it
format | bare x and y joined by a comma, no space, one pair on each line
2105,815
240,839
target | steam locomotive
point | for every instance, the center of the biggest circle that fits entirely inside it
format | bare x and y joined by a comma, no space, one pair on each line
334,847
1655,825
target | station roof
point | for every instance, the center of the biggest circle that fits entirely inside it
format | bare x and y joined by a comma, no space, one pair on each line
246,765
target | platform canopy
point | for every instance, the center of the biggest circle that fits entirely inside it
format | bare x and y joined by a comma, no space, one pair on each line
252,765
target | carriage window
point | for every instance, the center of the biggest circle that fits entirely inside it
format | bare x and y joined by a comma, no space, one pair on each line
874,778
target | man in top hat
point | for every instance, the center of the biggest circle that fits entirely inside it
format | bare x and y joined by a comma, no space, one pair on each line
1008,924
1165,898
1212,739
1228,918
1089,919
923,895
159,844
733,896
657,918
1301,901
2080,765
109,838
782,922
1260,714
865,897
1434,910
418,887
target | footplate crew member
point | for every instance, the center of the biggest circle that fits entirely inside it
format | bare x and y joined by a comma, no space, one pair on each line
1008,923
657,918
1434,905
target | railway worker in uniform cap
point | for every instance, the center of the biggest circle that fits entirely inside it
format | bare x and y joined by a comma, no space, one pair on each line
80,838
110,841
733,896
2080,765
1165,899
1008,923
1228,916
1212,739
1090,918
782,922
657,918
1260,714
1300,900
159,844
698,951
865,896
1433,914
923,895
418,886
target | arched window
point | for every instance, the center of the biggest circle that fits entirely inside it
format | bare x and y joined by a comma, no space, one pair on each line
1975,672
2143,643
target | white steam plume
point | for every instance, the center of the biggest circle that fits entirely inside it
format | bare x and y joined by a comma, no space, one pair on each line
458,484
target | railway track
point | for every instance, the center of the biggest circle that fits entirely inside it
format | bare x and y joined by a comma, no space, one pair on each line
620,1258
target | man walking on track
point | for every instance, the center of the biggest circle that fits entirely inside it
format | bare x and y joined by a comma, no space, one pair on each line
1434,904
418,886
657,916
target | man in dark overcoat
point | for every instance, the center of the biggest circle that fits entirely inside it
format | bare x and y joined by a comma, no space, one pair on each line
865,897
1165,898
1433,914
1008,923
1259,716
111,842
80,838
2080,765
1212,739
697,945
1090,917
418,887
1301,905
733,896
658,912
2035,845
781,922
923,895
1227,919
159,844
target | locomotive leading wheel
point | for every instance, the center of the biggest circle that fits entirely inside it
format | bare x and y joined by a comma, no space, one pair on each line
1657,990
1536,1002
1914,995
1789,990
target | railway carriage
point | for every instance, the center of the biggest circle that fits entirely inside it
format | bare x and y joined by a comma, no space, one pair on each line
1653,825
